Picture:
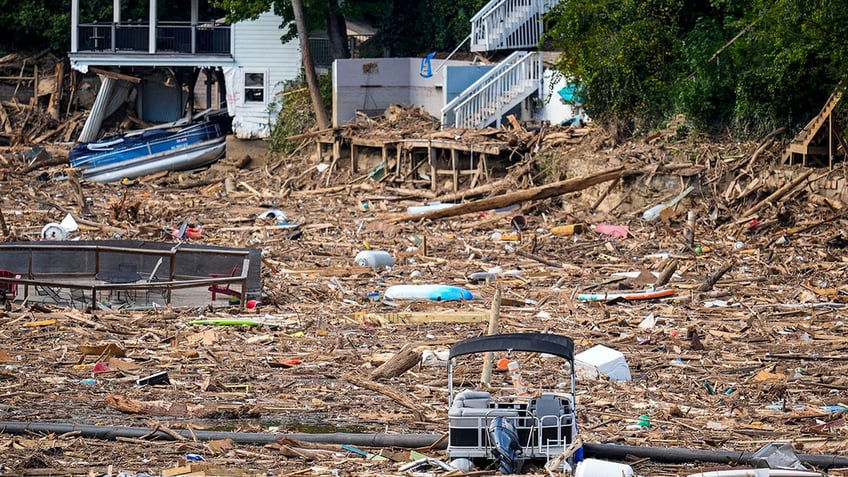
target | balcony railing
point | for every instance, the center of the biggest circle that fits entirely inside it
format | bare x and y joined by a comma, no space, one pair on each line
322,53
171,37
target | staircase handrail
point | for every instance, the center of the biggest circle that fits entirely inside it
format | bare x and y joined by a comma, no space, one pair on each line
492,5
483,80
484,34
492,81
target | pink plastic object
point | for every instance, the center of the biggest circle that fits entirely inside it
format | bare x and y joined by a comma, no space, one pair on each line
618,231
251,304
100,367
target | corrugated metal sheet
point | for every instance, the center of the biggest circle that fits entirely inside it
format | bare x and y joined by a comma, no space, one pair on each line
257,48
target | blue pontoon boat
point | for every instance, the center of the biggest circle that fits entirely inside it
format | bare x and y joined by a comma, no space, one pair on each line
149,151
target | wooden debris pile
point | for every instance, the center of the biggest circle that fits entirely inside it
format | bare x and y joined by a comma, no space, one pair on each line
38,90
748,349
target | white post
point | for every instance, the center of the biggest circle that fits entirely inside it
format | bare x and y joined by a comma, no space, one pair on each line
116,20
194,15
151,43
74,26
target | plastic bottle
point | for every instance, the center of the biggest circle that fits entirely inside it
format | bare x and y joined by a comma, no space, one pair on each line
376,259
653,213
517,380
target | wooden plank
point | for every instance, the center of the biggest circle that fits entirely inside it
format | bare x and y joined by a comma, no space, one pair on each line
114,75
4,120
422,317
455,168
446,144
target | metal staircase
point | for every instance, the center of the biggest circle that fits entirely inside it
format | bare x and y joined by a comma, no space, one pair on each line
509,24
499,90
501,25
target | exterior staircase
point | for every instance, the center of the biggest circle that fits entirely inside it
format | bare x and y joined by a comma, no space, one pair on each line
502,25
499,90
509,25
812,141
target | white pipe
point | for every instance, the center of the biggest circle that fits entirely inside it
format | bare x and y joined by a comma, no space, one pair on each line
758,473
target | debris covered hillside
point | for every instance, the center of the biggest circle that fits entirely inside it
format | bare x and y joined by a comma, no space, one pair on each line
747,350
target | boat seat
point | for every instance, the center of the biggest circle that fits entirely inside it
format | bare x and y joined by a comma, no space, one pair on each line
549,404
469,406
470,398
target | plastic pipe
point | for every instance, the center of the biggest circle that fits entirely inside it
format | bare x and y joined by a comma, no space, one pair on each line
111,432
681,456
598,451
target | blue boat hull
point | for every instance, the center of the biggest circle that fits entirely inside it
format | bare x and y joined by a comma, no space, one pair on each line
190,157
149,152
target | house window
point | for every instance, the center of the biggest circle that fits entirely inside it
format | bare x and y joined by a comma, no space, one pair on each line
254,87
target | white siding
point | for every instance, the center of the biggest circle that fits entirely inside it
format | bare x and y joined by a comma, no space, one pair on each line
257,48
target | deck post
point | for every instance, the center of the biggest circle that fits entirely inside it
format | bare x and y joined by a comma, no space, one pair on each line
75,26
151,40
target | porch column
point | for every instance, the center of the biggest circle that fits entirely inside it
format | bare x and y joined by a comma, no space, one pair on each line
151,43
116,20
194,15
74,26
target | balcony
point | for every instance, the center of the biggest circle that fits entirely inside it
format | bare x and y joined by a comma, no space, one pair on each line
180,38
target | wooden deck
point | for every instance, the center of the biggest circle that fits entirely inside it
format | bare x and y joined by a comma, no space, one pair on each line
401,159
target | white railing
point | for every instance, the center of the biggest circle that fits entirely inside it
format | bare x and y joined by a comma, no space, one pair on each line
499,90
509,24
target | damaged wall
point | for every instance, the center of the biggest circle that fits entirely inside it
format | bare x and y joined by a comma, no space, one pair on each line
373,84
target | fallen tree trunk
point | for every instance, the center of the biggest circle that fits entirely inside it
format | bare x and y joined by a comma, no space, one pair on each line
536,193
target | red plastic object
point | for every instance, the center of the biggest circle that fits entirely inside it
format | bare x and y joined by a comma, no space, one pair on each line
100,367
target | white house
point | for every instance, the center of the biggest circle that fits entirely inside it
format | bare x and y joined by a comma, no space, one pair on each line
161,58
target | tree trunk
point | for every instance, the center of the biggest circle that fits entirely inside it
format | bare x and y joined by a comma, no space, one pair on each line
337,31
308,66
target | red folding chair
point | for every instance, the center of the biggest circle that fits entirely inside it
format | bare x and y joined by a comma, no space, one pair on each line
216,288
8,289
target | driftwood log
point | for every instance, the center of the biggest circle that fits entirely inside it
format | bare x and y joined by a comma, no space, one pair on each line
536,193
405,359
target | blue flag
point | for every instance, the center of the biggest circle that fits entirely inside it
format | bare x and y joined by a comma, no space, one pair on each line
426,65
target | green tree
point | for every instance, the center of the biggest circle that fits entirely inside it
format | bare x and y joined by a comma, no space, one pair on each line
624,53
413,28
727,64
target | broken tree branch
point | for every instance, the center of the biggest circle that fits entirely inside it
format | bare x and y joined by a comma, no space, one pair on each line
776,195
386,391
714,277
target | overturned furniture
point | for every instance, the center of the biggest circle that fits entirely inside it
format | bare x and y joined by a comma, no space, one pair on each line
514,428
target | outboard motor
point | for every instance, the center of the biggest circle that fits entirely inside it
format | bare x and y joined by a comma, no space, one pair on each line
507,449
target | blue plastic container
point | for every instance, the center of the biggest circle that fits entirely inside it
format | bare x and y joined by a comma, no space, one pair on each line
427,292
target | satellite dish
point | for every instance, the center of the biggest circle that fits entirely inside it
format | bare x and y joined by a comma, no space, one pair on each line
53,231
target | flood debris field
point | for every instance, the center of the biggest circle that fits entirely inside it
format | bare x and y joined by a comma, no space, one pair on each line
748,350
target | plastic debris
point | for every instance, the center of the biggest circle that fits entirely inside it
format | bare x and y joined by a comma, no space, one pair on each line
602,361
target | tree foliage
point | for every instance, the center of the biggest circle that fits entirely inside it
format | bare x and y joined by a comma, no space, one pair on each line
726,64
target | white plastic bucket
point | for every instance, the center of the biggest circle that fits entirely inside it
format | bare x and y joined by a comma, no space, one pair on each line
376,259
602,468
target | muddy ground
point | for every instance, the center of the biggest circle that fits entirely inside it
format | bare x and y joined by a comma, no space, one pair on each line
755,358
